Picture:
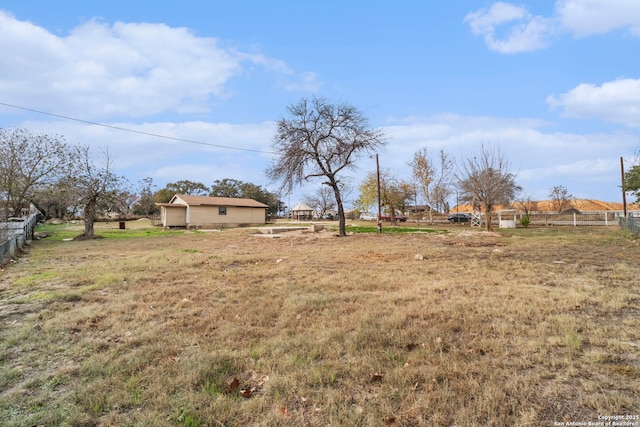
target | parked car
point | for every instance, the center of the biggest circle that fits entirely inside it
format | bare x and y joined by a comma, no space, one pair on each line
459,217
367,216
387,217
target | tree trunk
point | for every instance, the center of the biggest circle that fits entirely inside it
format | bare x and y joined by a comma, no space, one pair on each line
489,226
342,227
89,217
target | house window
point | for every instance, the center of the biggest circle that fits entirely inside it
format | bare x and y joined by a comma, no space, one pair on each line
222,210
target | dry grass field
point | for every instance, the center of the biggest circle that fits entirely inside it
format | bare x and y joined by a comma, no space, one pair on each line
526,327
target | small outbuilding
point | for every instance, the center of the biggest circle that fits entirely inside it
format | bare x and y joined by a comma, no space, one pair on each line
507,218
302,212
211,212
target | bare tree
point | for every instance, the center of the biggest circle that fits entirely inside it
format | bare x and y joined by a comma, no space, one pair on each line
28,161
433,179
322,200
487,180
320,139
94,184
561,199
527,204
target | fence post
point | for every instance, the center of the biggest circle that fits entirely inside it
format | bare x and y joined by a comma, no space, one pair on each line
574,220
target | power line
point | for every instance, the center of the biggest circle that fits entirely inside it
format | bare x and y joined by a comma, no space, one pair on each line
155,135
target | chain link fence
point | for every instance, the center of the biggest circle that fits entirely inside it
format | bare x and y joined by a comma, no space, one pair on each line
14,234
630,224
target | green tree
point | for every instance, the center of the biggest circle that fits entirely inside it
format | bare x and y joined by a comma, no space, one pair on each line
189,188
320,139
394,193
228,187
145,204
632,181
186,187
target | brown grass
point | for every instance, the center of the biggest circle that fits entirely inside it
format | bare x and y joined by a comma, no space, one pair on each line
522,327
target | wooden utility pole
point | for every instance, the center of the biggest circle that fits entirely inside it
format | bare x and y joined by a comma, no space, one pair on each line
379,207
624,191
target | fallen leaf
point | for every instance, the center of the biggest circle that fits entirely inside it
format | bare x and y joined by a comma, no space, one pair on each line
376,376
233,385
247,392
389,420
439,340
284,412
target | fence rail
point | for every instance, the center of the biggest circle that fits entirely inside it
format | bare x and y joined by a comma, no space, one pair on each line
14,235
603,218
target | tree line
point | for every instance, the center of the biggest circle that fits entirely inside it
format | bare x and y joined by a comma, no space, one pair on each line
316,140
68,181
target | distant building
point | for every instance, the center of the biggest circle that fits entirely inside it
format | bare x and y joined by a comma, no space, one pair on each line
211,212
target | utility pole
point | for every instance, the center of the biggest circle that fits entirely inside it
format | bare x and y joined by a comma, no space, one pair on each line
624,193
379,206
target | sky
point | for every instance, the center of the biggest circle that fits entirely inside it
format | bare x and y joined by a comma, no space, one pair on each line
192,90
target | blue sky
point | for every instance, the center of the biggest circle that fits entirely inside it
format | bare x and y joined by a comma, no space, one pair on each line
555,85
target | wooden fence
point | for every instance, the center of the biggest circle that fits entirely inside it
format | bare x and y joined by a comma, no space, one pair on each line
14,235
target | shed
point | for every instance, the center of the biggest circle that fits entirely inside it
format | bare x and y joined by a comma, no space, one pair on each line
302,212
507,218
211,212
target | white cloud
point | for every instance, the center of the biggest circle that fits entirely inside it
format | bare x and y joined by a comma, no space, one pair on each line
588,17
526,32
308,83
617,101
588,164
132,69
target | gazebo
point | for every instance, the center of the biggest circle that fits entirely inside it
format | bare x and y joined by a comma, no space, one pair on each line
302,212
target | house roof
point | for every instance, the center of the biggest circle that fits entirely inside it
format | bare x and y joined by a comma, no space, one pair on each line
301,207
218,201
